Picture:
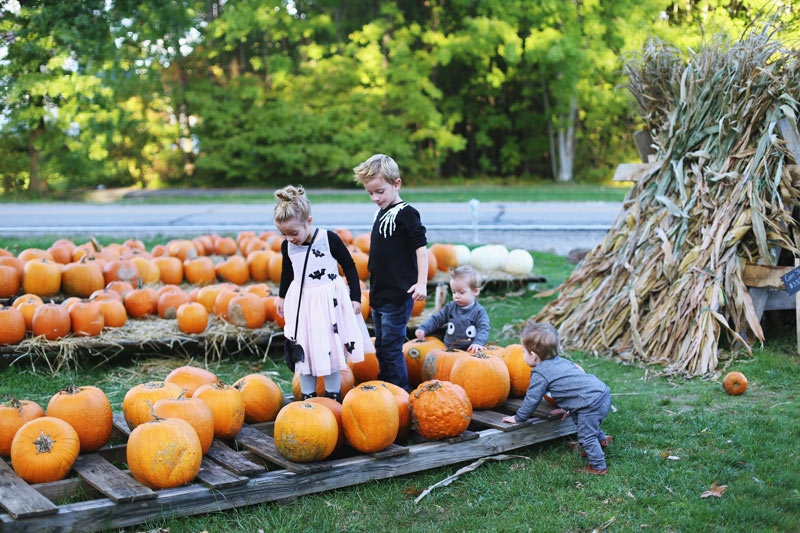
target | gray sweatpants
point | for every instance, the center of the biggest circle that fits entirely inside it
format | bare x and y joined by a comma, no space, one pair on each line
588,421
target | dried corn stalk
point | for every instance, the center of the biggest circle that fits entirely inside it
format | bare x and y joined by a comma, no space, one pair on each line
666,281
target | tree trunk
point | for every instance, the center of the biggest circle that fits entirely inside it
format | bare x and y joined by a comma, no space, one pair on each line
566,144
37,183
267,79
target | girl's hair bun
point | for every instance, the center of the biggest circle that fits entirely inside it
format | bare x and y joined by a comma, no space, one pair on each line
291,203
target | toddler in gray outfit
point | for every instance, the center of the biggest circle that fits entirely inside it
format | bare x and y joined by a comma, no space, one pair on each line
582,395
466,321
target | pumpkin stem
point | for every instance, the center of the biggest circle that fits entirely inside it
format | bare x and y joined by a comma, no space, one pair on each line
13,402
432,386
95,244
156,418
44,443
138,282
71,389
368,387
183,393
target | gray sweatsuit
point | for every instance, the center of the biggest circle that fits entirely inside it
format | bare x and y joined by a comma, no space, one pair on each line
582,394
465,325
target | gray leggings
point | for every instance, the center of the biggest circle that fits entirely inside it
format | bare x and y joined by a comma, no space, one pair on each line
588,421
308,383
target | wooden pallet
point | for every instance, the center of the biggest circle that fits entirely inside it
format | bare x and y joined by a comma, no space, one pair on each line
256,473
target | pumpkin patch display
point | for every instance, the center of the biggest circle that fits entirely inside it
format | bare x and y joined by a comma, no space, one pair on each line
734,383
370,418
192,318
88,411
518,370
138,401
87,319
13,415
439,409
164,453
194,411
262,398
190,378
347,381
484,377
44,450
227,404
306,432
12,326
41,277
415,352
52,321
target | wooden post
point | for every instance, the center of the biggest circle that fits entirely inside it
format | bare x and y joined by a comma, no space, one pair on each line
644,143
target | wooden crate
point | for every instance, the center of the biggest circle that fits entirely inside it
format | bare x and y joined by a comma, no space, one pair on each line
256,473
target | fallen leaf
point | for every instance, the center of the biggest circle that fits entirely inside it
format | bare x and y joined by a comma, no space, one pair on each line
412,491
254,368
715,491
604,525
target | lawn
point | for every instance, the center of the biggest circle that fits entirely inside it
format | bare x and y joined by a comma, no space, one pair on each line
673,439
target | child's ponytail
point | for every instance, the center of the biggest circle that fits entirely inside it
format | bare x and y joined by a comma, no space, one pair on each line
291,203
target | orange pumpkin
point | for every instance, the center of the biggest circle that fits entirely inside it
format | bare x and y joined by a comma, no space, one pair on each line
32,254
518,370
147,269
484,377
114,314
9,281
439,363
192,318
13,262
446,257
120,287
169,302
170,269
199,271
433,265
415,352
87,319
346,380
13,415
27,304
262,398
419,307
120,270
12,326
82,278
275,267
141,302
159,250
207,296
136,406
105,294
370,417
366,370
44,450
306,432
365,310
227,404
192,410
61,253
261,290
223,300
439,409
190,378
258,264
52,321
225,246
164,453
66,304
88,411
403,413
182,249
734,383
362,242
361,260
41,277
247,310
336,409
270,309
345,234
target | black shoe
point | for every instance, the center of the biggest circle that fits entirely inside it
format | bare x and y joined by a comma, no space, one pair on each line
335,396
304,397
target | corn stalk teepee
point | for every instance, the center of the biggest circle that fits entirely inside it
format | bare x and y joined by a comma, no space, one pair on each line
666,282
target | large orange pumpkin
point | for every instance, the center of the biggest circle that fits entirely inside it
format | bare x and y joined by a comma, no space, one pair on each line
13,262
439,409
141,302
169,302
12,326
190,378
336,409
27,304
370,417
366,370
227,404
347,381
81,279
199,271
41,277
170,269
88,411
87,319
439,363
61,253
247,310
44,450
484,377
147,269
415,352
445,256
32,254
275,267
518,370
193,410
164,453
192,318
258,263
225,246
136,406
234,269
9,281
13,415
52,321
734,383
120,270
114,314
262,398
306,432
403,413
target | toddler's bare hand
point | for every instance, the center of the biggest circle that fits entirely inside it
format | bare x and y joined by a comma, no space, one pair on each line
419,334
563,412
473,348
509,420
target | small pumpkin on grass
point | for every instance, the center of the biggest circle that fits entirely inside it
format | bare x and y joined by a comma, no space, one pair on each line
44,450
306,432
227,404
88,411
13,415
370,417
164,453
439,409
194,411
734,383
262,398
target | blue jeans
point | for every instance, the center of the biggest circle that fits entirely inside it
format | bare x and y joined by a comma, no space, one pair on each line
589,432
390,323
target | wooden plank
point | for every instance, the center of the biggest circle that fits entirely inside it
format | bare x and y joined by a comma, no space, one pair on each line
764,276
779,301
233,461
467,435
119,423
392,451
264,446
644,145
18,498
493,419
214,476
109,480
632,171
543,410
278,485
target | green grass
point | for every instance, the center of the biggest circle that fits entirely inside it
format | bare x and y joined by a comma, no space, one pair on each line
748,443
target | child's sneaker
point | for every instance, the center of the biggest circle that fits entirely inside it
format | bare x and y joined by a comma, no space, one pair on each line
592,471
603,444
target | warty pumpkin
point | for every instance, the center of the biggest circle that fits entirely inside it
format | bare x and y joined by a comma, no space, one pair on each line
439,409
194,411
484,377
138,401
164,453
44,450
13,415
88,411
192,318
227,405
12,326
415,352
306,432
190,378
52,321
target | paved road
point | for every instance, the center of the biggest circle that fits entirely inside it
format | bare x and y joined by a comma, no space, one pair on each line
523,224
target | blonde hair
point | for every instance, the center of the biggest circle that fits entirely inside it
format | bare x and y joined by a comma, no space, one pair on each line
541,339
469,274
377,166
291,204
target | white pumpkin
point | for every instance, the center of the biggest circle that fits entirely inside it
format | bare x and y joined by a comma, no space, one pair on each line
462,253
489,257
518,262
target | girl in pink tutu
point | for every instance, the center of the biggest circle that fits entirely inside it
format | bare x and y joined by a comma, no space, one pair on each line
330,327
